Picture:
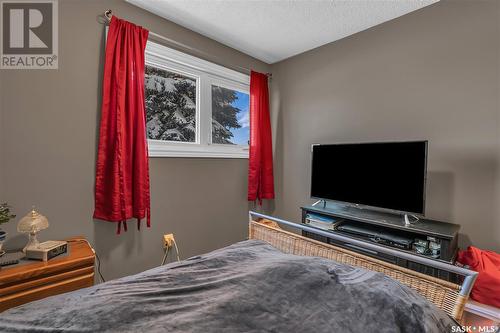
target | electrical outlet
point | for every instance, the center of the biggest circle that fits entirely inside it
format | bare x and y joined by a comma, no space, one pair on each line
168,240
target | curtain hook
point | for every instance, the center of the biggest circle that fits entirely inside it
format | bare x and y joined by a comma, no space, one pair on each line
108,14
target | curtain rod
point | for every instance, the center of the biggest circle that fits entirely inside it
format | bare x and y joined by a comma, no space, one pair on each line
108,14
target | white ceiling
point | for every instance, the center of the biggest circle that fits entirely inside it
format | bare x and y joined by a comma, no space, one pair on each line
274,30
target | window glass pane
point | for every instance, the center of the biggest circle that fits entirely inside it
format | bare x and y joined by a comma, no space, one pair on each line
230,116
170,105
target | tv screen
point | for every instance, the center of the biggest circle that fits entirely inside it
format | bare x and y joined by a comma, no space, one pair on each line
384,175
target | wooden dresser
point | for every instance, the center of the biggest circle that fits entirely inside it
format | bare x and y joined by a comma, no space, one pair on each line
32,280
484,317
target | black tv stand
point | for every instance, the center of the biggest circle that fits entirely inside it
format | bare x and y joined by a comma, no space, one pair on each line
446,234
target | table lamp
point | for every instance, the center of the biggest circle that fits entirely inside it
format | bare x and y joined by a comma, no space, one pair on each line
31,224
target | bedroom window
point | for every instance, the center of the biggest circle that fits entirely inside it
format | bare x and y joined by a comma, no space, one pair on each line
230,116
194,108
170,105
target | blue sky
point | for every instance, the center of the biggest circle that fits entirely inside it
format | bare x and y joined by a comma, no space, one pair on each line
241,135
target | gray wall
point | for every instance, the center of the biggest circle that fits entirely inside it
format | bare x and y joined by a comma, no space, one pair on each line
1,138
49,137
432,74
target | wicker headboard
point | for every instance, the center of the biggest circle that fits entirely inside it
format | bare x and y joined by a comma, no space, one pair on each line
446,295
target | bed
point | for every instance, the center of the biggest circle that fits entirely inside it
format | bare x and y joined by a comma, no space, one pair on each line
276,281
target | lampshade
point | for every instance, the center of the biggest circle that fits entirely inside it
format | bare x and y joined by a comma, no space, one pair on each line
32,222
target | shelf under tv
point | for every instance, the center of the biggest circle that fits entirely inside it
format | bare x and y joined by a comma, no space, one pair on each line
445,233
388,220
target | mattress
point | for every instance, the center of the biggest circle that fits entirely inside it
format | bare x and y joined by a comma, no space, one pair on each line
247,287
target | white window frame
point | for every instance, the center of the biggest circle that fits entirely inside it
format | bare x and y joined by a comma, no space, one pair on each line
206,74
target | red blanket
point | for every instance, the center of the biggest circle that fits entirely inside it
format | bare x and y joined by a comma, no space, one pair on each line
487,287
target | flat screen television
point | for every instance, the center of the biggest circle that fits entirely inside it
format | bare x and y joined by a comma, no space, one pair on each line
383,175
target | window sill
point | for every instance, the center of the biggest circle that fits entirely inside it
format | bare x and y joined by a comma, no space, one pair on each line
158,148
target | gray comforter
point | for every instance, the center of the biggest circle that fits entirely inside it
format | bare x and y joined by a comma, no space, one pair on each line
246,287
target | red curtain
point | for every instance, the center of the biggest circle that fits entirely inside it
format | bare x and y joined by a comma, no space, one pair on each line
122,170
260,166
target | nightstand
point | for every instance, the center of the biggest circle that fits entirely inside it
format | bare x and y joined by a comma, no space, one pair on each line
32,280
481,315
